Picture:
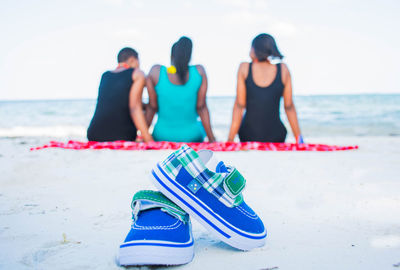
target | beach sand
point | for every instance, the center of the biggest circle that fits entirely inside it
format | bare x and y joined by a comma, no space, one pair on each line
66,209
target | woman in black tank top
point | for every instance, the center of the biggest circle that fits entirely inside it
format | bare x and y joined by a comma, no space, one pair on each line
119,113
112,119
261,121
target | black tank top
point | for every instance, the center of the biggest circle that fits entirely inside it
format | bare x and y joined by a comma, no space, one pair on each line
261,121
112,119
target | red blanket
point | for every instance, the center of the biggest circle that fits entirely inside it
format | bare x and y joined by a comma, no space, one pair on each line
217,146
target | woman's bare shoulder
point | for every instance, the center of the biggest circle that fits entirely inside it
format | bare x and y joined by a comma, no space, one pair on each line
244,69
138,74
201,69
154,71
244,65
155,68
284,67
285,72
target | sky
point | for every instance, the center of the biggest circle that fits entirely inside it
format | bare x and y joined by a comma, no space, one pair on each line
59,49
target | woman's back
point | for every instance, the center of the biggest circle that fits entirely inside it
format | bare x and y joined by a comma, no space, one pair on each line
177,115
260,86
262,119
112,120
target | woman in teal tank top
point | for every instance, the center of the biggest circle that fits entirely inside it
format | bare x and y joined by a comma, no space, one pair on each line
178,95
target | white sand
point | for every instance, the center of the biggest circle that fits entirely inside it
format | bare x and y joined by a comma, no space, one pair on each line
332,210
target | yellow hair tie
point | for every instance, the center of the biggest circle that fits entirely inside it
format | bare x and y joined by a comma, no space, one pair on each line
171,69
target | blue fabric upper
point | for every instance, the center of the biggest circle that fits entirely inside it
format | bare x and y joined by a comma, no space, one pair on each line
154,224
242,216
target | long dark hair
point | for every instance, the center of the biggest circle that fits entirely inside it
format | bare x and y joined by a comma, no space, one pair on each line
264,46
181,53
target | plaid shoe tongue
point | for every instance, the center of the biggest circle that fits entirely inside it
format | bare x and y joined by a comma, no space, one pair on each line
211,161
208,172
233,182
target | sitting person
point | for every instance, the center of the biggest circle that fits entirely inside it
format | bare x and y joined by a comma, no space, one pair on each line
119,111
178,95
260,86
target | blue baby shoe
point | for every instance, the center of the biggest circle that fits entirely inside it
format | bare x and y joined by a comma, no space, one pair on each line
161,232
211,193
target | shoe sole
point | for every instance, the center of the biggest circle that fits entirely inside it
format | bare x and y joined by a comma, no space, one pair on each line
155,253
221,228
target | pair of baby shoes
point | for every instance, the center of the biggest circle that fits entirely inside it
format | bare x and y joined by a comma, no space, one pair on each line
191,184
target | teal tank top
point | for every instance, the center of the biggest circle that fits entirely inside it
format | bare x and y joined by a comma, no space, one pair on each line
178,120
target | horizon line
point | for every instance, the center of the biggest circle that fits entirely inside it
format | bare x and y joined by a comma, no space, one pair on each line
209,96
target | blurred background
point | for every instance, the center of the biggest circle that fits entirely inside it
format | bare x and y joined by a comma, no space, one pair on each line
343,56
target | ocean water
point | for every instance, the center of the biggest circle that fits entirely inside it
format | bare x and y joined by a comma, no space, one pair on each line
319,116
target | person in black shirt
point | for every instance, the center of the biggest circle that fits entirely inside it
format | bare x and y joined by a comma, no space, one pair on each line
119,110
261,85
